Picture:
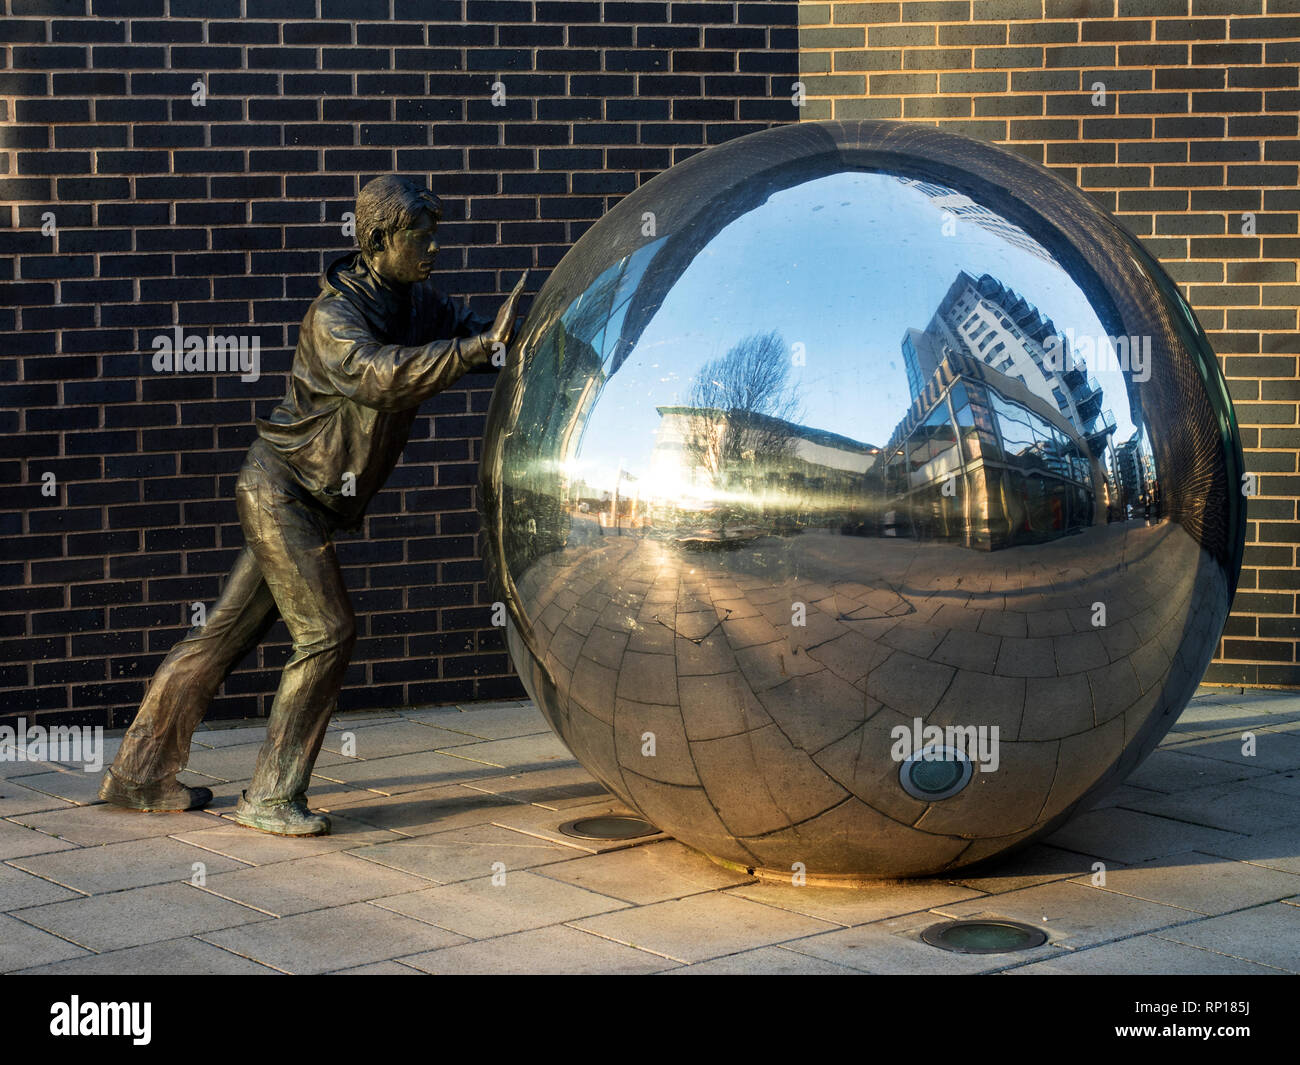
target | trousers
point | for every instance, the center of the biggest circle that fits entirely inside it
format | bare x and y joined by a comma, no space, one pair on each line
288,569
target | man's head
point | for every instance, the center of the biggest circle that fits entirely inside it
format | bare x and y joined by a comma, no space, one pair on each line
396,222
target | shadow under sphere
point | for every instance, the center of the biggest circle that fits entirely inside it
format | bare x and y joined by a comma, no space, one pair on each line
862,496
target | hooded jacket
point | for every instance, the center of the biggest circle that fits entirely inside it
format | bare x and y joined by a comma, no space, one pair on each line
369,352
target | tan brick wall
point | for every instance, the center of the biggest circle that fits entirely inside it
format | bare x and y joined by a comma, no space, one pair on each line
1199,126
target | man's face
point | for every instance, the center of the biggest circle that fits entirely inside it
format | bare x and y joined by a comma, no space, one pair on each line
407,255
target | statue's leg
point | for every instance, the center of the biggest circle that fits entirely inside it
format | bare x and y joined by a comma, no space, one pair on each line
157,744
292,539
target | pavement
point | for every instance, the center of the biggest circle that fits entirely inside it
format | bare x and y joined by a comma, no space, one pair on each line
446,858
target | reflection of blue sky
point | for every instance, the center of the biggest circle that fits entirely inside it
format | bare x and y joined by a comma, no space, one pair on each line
844,265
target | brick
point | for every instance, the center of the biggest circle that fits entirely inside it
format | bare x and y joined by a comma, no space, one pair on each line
966,33
1001,10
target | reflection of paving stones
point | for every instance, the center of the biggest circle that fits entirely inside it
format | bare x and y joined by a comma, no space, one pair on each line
409,883
754,680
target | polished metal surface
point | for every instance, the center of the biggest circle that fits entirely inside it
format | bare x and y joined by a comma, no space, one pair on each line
843,445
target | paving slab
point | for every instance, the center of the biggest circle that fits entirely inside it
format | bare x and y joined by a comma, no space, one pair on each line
1278,849
138,916
1130,836
702,926
17,840
555,788
558,950
1144,956
261,848
186,955
237,762
894,947
1199,882
1267,935
408,772
545,824
21,945
1272,750
378,968
1071,914
765,961
1237,807
383,739
492,722
1286,783
16,798
102,823
315,883
1123,795
465,853
1170,770
118,866
227,737
11,767
420,813
327,940
74,787
19,889
851,906
653,873
493,906
519,753
1039,863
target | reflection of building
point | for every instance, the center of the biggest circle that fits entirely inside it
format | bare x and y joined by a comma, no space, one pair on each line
1133,469
983,319
771,459
982,461
965,209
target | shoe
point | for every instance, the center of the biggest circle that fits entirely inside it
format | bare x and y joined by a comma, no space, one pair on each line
280,819
166,796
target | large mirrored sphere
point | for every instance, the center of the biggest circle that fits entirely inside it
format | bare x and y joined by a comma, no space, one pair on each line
864,500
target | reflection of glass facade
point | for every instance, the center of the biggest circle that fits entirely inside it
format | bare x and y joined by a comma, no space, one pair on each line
984,319
985,466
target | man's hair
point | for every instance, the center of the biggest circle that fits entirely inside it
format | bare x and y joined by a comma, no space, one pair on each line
389,204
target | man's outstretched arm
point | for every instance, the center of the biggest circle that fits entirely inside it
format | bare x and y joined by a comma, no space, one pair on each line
389,377
393,377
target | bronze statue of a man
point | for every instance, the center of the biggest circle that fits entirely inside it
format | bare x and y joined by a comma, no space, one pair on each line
376,342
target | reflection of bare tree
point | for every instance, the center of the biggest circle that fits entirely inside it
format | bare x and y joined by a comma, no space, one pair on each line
742,405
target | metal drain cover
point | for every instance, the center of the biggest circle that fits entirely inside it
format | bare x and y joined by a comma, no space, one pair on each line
984,937
935,773
609,826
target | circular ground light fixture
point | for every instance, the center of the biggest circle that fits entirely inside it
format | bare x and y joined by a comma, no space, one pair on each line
609,826
934,773
984,937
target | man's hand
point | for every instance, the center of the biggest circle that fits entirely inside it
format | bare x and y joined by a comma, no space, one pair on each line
502,329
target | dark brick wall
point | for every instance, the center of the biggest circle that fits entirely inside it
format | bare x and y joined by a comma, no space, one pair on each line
1198,128
220,218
